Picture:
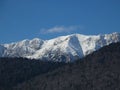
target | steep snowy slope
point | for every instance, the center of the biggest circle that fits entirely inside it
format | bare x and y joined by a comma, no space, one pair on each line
71,47
23,48
91,43
64,48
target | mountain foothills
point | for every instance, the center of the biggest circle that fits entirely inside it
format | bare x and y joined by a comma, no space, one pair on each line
17,70
62,49
97,71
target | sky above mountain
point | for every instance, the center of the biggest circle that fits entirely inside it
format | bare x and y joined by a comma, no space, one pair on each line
46,19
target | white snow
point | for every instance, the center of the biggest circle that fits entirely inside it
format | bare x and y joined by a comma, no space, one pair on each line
62,48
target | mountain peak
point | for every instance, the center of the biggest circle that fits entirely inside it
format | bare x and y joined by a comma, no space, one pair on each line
63,48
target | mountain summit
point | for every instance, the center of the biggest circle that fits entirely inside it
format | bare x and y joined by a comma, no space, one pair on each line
64,48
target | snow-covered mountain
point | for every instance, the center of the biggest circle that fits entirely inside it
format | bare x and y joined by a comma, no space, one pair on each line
65,48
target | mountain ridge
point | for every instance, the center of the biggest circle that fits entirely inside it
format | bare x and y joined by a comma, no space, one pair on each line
63,48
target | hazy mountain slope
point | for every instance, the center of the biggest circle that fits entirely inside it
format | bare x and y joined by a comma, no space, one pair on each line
2,49
65,48
97,71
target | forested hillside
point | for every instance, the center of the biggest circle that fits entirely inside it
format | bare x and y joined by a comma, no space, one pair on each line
17,70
